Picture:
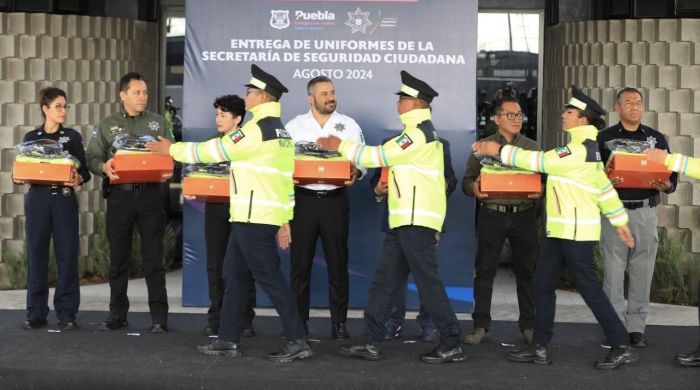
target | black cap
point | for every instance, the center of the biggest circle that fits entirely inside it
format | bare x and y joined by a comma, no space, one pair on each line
591,109
411,86
265,81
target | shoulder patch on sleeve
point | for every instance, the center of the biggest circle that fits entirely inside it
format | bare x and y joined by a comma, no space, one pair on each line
562,151
592,151
94,132
404,141
236,136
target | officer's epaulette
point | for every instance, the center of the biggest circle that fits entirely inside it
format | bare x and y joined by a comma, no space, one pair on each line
428,131
592,151
272,128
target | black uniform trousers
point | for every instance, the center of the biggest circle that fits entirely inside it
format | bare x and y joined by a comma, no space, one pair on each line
141,206
409,249
252,253
492,230
327,216
52,211
555,256
217,229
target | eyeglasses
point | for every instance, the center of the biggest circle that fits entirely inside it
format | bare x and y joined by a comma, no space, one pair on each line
60,108
512,115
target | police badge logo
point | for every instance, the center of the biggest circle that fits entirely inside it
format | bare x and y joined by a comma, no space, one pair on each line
63,140
340,127
154,125
279,19
651,141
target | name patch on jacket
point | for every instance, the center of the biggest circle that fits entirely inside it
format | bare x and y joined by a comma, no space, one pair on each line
562,151
404,141
237,136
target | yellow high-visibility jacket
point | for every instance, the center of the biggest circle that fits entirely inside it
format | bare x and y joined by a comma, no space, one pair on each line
577,188
416,175
262,164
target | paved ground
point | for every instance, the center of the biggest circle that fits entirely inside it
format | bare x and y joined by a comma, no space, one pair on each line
570,306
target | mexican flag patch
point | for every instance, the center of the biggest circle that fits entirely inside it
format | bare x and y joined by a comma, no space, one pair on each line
562,151
404,141
237,136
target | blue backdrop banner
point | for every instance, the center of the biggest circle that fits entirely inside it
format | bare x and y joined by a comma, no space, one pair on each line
362,46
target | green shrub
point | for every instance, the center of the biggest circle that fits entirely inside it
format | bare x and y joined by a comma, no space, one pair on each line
675,274
16,266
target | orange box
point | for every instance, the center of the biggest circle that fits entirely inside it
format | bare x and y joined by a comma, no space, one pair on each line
384,178
142,167
41,172
636,169
207,189
335,172
510,185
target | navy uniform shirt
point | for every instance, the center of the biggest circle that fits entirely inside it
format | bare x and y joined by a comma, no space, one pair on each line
72,143
643,133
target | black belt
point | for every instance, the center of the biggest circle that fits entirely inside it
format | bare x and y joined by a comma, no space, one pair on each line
652,201
507,209
54,189
321,193
136,187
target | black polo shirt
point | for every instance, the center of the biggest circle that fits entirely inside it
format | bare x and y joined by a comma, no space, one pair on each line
643,133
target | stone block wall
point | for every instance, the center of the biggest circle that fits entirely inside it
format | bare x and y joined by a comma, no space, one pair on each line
660,57
84,56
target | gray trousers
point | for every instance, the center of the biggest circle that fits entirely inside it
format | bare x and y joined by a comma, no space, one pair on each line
638,262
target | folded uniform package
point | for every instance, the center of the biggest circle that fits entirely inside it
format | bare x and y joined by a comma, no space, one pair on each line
509,184
384,177
314,170
44,171
635,169
207,188
141,167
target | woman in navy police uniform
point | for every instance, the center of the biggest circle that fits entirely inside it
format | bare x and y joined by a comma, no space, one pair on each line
52,211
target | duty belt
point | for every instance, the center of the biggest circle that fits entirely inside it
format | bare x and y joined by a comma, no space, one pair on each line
54,189
652,201
134,187
320,194
507,209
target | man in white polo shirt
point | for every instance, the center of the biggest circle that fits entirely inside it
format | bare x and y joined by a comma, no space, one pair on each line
323,209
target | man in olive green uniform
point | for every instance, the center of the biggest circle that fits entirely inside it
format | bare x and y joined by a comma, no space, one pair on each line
262,204
417,203
130,205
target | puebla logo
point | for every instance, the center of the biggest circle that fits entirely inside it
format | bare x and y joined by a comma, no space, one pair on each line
279,19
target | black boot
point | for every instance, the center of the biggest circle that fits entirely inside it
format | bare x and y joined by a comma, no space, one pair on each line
444,355
367,352
298,349
618,356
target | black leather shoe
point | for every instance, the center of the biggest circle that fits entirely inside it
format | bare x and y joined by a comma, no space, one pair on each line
533,353
158,328
443,355
689,360
617,357
367,352
113,323
248,331
34,324
298,349
219,347
67,325
638,340
339,332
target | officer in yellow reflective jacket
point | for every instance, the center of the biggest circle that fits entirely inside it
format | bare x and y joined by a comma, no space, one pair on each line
688,166
416,213
577,192
262,203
